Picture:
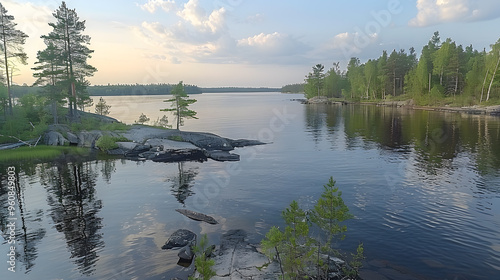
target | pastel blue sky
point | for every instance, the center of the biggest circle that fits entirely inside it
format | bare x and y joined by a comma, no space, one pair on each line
250,43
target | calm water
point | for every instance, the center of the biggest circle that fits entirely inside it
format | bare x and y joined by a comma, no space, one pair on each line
424,187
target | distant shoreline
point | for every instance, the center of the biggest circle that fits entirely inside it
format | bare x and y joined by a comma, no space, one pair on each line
151,89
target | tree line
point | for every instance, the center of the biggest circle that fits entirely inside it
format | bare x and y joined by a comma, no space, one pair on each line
444,72
137,89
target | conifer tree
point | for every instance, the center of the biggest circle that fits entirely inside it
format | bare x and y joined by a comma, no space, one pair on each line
180,104
102,108
12,41
72,46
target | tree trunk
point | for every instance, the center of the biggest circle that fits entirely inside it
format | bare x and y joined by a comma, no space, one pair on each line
484,83
456,85
430,79
54,111
394,84
493,78
6,64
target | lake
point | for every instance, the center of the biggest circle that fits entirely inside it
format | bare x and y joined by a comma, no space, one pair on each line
424,188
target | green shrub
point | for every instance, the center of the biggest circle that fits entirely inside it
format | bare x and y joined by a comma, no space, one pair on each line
202,262
106,143
297,252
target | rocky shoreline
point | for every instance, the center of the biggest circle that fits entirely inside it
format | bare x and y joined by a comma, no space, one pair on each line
156,144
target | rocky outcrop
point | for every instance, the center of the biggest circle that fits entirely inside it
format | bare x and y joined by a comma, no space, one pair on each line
150,143
237,259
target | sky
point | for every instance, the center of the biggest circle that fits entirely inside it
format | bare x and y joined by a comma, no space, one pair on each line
249,43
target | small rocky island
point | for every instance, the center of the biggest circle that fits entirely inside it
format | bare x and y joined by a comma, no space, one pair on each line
142,142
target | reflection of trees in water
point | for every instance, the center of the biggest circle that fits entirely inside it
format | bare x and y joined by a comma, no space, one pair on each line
315,120
182,182
108,168
28,230
70,189
437,138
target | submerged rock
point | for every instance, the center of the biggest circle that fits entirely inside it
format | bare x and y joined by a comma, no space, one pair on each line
197,216
180,238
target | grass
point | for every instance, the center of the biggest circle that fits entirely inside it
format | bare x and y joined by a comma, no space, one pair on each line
177,138
40,152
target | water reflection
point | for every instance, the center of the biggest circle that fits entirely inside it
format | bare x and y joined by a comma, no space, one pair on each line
74,210
29,232
182,182
436,138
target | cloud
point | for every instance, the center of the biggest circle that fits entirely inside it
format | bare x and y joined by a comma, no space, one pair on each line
431,12
196,16
352,43
152,5
272,47
203,36
257,18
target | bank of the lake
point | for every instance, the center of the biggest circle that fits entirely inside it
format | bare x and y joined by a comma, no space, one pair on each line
493,110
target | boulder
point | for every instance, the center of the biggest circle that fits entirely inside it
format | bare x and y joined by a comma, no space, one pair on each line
186,253
197,216
180,238
88,138
72,138
54,138
126,145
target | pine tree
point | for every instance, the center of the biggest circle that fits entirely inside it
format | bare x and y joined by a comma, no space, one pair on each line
180,104
50,74
329,212
102,108
72,45
142,119
11,41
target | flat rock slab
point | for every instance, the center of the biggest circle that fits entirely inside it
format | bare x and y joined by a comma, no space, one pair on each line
197,216
141,133
207,141
236,259
167,144
180,238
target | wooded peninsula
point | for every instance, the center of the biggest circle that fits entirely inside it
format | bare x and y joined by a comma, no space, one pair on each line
445,74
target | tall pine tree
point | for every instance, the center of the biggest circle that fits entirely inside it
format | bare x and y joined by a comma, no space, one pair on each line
12,41
67,38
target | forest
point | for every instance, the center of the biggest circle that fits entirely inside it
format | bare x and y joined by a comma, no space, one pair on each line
444,74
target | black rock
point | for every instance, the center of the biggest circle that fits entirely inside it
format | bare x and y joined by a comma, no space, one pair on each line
222,155
180,238
179,155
